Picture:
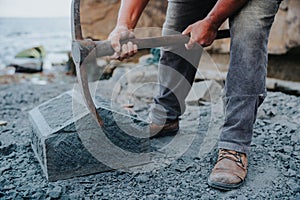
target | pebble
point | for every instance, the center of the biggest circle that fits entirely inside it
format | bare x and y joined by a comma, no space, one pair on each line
142,178
288,149
271,113
293,185
261,170
272,154
295,137
4,169
273,132
6,150
9,187
292,173
183,168
3,123
277,128
55,192
297,197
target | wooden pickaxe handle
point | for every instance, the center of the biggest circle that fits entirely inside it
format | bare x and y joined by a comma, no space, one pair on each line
103,48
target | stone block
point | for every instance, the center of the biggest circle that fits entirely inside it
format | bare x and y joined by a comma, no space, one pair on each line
68,142
204,91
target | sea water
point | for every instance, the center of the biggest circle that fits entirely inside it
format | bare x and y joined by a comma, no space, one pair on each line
17,34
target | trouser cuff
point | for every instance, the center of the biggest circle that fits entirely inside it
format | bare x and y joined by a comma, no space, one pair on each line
234,147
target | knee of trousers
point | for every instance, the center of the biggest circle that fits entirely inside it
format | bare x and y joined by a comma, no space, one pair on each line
254,21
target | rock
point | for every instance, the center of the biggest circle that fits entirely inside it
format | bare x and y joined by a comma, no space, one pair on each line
293,185
142,178
241,197
288,149
7,150
144,60
292,173
38,195
295,137
291,87
66,138
9,187
283,33
27,65
4,169
204,91
272,154
3,123
55,192
277,128
142,74
142,82
183,167
98,14
297,197
142,90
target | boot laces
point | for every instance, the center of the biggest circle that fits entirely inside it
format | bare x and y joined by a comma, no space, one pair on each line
231,155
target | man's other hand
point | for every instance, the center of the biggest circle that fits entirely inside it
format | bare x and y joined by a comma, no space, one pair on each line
126,50
202,32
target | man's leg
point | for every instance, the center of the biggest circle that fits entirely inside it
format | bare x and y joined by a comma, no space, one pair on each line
177,66
245,87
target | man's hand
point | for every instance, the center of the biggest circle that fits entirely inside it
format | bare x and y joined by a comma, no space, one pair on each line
126,50
205,31
202,32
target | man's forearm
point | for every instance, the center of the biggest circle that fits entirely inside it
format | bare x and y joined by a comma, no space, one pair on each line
130,12
224,9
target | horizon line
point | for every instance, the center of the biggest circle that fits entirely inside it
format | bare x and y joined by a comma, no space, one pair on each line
34,16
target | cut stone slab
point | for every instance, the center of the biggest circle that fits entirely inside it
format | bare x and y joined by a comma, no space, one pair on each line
208,91
67,140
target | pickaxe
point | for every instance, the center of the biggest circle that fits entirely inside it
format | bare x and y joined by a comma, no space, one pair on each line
81,48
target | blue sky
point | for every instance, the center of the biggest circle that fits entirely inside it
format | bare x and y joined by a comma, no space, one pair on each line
35,8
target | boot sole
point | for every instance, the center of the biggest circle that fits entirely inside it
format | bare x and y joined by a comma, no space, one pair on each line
223,186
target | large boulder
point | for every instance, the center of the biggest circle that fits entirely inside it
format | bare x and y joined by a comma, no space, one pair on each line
99,18
285,33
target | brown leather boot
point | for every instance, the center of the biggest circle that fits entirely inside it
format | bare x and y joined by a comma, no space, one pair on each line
230,170
169,129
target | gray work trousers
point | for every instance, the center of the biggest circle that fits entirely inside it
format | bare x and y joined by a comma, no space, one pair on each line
245,87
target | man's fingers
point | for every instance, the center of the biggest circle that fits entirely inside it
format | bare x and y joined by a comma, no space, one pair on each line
187,30
190,44
135,48
130,49
115,44
124,53
115,56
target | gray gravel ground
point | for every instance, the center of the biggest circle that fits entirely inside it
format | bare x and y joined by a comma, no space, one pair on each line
274,171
